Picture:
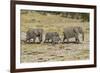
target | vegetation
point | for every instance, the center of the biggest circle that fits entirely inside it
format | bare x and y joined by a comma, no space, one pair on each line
74,15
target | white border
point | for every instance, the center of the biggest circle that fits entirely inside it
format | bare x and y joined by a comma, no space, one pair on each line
52,64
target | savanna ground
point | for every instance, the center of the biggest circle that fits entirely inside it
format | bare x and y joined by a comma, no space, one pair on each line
47,52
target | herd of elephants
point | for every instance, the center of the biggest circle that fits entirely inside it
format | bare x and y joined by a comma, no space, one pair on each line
54,37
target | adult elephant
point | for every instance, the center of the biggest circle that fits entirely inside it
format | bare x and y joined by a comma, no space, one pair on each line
32,34
73,32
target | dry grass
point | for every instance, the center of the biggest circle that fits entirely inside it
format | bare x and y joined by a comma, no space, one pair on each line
46,51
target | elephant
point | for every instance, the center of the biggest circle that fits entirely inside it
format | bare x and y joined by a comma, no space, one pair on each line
32,34
53,37
73,32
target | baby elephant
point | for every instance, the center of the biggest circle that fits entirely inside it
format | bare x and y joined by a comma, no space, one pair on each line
32,34
53,37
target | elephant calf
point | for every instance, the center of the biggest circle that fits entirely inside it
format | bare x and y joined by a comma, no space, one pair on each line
32,34
73,32
53,37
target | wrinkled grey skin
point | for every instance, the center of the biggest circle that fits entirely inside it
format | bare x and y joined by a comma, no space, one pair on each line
53,37
32,34
71,32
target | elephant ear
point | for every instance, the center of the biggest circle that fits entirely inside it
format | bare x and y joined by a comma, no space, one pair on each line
75,30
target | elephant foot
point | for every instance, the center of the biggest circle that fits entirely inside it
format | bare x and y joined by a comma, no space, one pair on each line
78,42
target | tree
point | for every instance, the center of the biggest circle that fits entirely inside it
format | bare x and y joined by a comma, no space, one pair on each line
85,16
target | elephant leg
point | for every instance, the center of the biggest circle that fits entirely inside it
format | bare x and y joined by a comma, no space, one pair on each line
28,40
46,40
40,38
63,39
34,40
53,41
67,40
77,39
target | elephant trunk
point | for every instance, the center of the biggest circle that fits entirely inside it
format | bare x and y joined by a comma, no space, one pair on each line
83,36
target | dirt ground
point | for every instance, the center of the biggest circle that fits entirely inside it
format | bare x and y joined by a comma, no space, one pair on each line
58,52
